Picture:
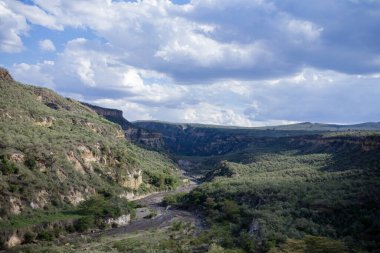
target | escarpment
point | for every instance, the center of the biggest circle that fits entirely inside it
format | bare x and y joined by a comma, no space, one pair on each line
139,136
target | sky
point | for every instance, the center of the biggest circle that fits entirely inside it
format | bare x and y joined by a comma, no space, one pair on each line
242,62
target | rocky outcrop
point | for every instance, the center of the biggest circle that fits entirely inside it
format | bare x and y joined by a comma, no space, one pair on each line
203,140
105,112
132,180
120,221
45,121
17,158
4,75
187,139
137,135
15,205
13,241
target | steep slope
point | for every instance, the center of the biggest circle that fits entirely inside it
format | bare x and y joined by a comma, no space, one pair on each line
133,133
56,152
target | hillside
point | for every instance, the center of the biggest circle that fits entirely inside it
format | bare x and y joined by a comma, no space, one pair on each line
296,188
56,153
291,193
205,140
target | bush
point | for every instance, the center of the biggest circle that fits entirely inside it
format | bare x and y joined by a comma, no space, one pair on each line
46,235
174,199
85,223
102,207
29,237
7,167
30,162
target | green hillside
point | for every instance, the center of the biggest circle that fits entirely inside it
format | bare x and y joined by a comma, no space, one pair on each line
55,153
280,194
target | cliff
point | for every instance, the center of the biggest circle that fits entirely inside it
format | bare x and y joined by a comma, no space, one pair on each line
145,138
204,140
4,75
106,112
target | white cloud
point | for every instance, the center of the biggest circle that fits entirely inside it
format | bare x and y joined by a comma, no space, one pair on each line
34,14
47,45
209,40
249,62
41,74
12,26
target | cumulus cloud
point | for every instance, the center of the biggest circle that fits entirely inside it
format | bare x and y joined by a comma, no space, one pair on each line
34,14
40,74
12,26
47,45
248,62
208,40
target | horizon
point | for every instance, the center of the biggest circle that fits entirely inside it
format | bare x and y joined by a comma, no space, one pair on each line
242,64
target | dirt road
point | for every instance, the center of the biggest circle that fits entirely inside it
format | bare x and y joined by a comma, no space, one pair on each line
164,215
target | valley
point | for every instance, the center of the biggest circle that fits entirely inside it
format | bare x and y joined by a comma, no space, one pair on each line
80,178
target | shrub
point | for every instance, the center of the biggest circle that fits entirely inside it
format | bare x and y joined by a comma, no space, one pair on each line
46,235
7,167
85,223
30,162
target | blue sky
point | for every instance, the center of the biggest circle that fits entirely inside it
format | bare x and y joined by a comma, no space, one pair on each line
243,62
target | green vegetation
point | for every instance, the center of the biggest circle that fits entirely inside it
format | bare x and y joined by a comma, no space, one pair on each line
33,217
267,194
55,153
177,237
299,188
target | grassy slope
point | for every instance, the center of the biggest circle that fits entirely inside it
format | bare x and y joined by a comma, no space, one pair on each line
291,191
45,167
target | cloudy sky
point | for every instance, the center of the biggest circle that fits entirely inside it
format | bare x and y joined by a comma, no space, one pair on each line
242,62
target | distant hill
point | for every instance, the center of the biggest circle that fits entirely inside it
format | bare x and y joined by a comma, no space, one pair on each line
304,126
307,126
203,140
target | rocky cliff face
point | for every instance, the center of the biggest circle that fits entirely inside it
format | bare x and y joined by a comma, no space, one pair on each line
106,112
133,133
189,139
4,75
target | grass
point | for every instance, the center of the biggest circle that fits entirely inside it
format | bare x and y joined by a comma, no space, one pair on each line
35,218
177,237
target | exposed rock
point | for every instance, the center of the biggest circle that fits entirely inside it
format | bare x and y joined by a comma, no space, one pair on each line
17,158
74,161
13,241
4,75
88,157
16,206
105,111
120,221
34,205
41,166
133,180
45,122
61,175
93,127
42,198
75,197
130,131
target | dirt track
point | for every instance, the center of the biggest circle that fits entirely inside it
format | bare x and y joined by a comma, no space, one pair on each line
163,218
